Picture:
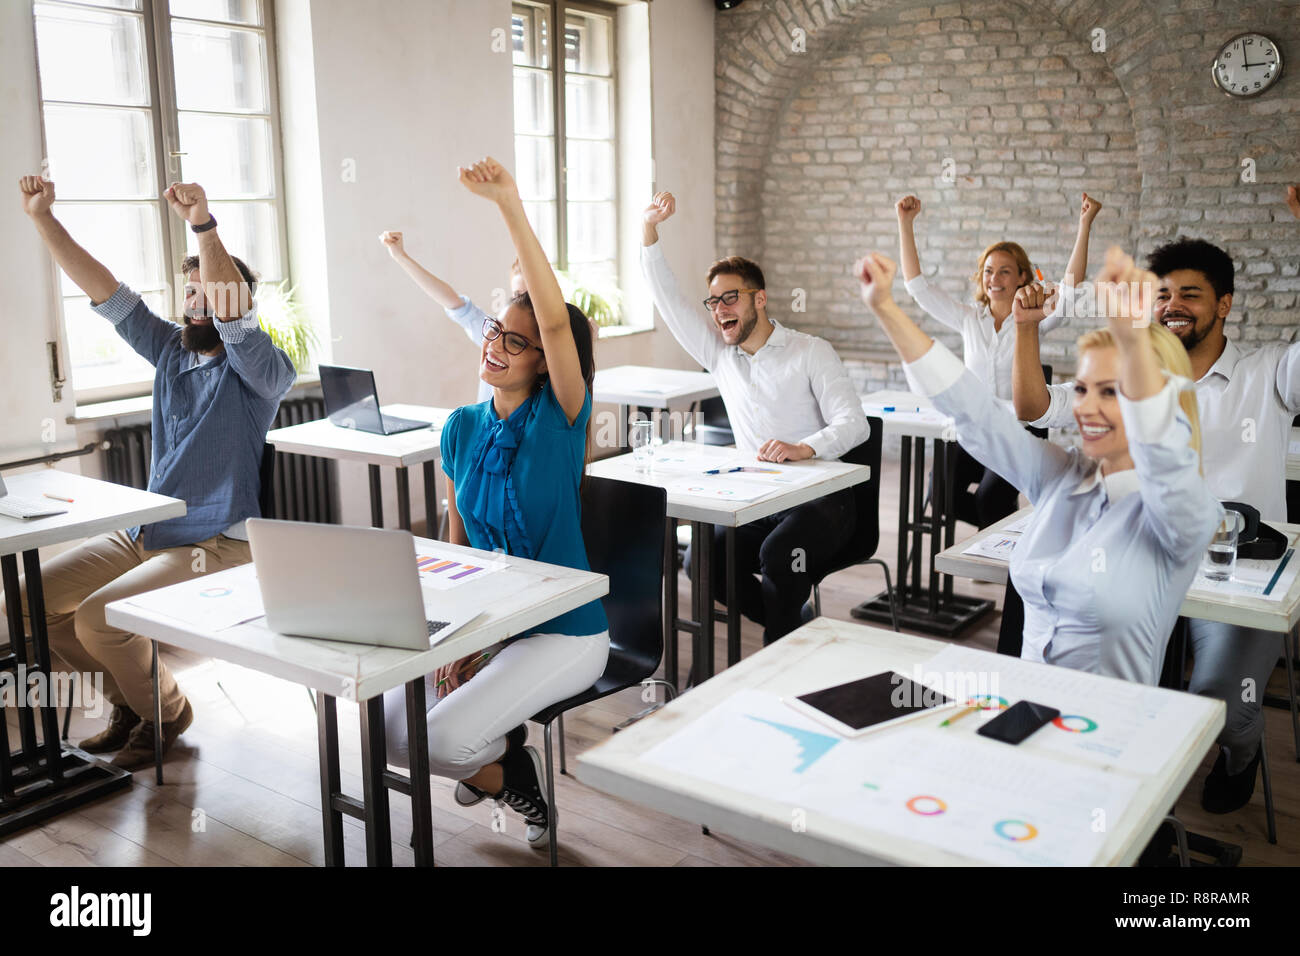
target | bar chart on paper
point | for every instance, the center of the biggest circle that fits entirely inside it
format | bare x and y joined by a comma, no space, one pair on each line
444,573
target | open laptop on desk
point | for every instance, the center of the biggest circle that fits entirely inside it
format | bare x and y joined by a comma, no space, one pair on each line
352,401
25,508
358,585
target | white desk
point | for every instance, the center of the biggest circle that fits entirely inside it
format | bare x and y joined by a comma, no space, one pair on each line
536,592
706,513
323,439
641,386
821,654
37,783
931,608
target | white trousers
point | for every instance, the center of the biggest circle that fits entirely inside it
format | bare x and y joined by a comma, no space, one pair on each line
467,728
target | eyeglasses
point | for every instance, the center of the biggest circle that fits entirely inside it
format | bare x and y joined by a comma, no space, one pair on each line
515,343
727,298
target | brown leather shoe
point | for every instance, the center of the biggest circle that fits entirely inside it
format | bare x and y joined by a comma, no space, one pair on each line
138,751
120,724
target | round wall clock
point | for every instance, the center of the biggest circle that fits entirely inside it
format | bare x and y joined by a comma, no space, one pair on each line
1247,65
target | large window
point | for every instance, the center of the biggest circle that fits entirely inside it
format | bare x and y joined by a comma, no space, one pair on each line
136,94
565,134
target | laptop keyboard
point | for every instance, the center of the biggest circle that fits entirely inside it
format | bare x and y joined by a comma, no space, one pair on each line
25,508
436,626
393,423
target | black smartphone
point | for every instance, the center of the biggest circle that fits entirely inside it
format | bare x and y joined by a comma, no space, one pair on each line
1018,721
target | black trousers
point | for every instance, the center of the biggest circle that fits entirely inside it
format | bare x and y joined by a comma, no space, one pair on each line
779,558
991,501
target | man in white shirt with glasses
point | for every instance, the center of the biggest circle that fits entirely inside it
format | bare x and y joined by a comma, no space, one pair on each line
789,399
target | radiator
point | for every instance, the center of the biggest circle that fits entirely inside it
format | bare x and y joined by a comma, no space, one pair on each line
301,487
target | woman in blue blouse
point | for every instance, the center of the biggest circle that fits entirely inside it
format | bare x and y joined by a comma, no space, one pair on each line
514,465
1119,527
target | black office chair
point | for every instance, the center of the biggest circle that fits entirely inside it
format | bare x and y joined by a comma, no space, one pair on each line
713,426
866,536
266,481
623,526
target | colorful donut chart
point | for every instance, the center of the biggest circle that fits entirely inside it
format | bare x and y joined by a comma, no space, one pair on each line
214,592
1088,725
1017,831
926,806
988,702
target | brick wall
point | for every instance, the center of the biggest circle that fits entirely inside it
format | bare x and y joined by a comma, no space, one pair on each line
815,144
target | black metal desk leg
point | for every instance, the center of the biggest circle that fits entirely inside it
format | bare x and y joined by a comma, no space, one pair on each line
374,758
417,732
18,646
6,773
938,497
918,515
949,509
704,669
157,716
432,519
327,738
670,601
904,495
733,612
49,714
403,499
376,498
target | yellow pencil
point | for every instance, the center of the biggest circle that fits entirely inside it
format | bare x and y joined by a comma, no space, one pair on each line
956,717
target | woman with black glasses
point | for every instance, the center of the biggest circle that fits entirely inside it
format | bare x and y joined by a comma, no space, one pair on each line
514,465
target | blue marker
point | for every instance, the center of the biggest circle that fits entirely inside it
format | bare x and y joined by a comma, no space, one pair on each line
895,408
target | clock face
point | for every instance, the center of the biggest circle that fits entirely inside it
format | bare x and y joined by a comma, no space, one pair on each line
1247,65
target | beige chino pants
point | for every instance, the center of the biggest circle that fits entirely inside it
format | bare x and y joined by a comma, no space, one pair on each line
77,585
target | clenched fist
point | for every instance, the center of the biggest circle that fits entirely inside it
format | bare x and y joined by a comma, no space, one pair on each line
1032,303
489,179
875,274
661,207
393,243
37,195
908,208
189,201
1089,208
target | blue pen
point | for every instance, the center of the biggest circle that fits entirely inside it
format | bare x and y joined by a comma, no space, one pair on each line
722,471
895,408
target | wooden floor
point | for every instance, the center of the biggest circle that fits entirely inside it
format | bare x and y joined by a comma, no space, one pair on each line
242,785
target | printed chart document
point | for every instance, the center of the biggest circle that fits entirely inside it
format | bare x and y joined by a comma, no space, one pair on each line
734,477
1111,723
997,545
946,787
443,572
208,605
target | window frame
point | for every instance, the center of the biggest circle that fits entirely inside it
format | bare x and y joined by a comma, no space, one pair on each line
164,118
556,10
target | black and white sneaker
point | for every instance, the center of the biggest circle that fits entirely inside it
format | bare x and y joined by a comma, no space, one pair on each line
522,792
467,795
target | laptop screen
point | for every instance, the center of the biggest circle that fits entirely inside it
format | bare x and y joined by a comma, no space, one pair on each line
350,397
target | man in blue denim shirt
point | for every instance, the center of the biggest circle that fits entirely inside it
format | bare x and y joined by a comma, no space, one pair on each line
218,383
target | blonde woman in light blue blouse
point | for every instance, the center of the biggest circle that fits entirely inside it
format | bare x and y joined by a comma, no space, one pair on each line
1119,526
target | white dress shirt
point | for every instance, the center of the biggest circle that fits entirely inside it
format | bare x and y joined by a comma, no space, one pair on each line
987,351
1104,562
1247,401
793,389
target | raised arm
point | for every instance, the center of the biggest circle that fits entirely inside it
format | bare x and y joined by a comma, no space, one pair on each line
1077,268
430,284
89,274
990,435
489,179
223,286
1028,386
908,208
685,319
1126,294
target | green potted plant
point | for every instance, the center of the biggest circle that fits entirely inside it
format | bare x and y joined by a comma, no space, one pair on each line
281,317
600,299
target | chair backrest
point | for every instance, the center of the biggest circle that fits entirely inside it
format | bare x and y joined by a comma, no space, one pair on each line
266,481
866,497
623,525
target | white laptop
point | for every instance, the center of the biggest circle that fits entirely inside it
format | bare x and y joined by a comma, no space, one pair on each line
358,585
25,508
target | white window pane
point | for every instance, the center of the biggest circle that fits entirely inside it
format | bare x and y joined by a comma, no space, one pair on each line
530,35
587,41
229,156
114,4
589,107
219,68
535,167
590,169
228,11
98,356
534,110
126,237
91,57
592,234
542,217
100,153
249,232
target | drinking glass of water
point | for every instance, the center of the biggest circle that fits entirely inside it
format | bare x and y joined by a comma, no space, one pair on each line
1221,556
641,438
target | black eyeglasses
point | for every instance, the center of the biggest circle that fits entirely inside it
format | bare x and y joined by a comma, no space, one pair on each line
727,298
515,343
